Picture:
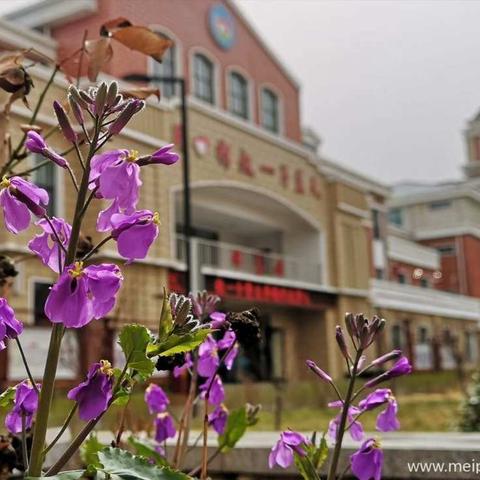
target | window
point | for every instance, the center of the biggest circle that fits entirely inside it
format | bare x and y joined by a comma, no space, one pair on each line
168,68
395,216
402,278
203,82
446,250
471,346
40,292
270,114
376,224
238,101
397,337
440,204
424,283
46,178
422,335
379,273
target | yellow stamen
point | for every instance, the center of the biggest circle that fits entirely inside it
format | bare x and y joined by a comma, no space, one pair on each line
106,367
77,270
5,183
156,219
132,156
376,443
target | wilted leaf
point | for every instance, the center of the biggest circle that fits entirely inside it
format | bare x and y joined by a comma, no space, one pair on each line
25,127
134,340
99,52
14,79
179,343
136,37
236,427
166,318
127,466
141,93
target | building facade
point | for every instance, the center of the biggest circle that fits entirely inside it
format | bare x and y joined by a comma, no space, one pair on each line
275,223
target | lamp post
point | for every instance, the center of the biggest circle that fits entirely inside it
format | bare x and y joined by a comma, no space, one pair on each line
187,216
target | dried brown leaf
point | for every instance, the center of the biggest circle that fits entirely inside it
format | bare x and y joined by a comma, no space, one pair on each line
136,37
99,52
26,127
141,93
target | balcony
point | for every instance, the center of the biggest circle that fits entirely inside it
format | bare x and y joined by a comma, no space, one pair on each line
409,298
237,261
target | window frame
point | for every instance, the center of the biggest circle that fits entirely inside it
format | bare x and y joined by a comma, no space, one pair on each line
217,87
32,281
234,70
280,114
177,59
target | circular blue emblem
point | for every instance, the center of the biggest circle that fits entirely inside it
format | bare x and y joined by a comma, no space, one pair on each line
222,26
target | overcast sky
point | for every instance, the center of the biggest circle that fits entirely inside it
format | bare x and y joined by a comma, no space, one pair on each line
388,85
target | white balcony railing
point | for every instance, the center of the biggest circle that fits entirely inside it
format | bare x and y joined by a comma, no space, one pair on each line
409,298
226,257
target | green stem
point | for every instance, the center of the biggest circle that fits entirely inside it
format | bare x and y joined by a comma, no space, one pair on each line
27,368
24,442
332,472
96,247
48,383
65,425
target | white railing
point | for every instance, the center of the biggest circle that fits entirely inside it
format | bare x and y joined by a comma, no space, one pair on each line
229,257
409,298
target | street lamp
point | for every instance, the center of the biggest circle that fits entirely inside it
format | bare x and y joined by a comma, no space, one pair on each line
187,217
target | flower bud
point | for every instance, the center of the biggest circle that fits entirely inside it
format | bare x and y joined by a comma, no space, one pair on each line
76,110
100,99
393,355
341,342
36,144
125,116
64,123
351,326
163,156
111,94
401,367
78,98
318,371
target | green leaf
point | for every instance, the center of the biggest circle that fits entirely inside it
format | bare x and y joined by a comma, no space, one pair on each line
7,397
89,451
321,453
134,340
129,467
179,343
146,448
166,318
237,424
305,467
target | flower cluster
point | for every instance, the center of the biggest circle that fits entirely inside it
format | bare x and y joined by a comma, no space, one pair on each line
366,463
157,402
24,407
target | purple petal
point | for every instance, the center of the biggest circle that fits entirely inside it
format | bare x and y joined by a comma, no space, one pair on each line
15,214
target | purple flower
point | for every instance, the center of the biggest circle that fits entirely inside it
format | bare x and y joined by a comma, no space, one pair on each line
94,394
208,360
36,144
177,371
318,371
117,176
229,340
217,392
25,405
135,233
104,219
367,461
45,245
204,304
156,399
218,419
164,427
283,451
401,367
82,294
387,420
10,327
18,198
218,319
162,156
354,426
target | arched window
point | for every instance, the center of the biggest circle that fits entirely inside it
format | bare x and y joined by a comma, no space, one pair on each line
270,110
166,69
238,92
203,78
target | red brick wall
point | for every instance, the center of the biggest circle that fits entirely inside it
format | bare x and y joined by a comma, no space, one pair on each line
395,267
187,20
